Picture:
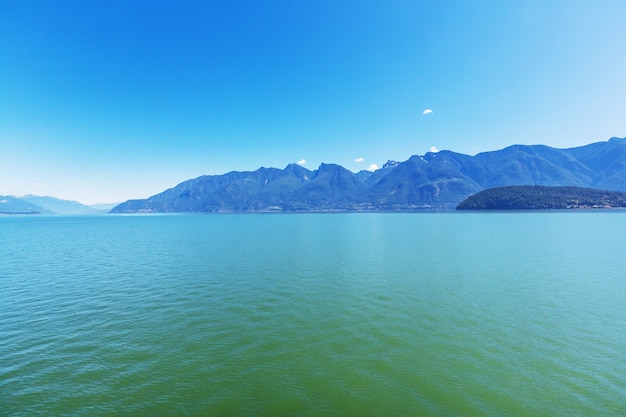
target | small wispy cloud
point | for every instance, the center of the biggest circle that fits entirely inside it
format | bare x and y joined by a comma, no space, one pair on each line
434,149
301,162
427,111
372,168
359,159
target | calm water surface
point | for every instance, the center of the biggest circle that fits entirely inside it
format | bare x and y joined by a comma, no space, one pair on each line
434,314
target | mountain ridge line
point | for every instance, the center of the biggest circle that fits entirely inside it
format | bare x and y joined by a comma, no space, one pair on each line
435,180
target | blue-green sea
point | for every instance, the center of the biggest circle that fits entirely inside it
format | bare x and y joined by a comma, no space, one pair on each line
366,314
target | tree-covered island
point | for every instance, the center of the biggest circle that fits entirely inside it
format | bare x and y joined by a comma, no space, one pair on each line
535,197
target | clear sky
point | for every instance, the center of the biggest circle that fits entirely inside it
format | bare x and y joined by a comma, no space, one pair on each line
104,101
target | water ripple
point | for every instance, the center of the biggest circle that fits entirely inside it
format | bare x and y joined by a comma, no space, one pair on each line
373,314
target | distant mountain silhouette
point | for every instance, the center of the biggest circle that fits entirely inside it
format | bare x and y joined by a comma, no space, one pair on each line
52,205
103,207
433,181
14,205
32,204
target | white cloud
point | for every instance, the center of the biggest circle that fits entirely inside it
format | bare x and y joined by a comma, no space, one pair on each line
301,162
372,167
359,159
434,149
427,111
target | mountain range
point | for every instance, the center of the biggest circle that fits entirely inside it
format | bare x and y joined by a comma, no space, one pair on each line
33,204
438,180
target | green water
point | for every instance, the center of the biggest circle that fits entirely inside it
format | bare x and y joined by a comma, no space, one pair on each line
434,314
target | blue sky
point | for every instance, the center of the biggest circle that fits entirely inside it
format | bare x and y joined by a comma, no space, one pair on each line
104,101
